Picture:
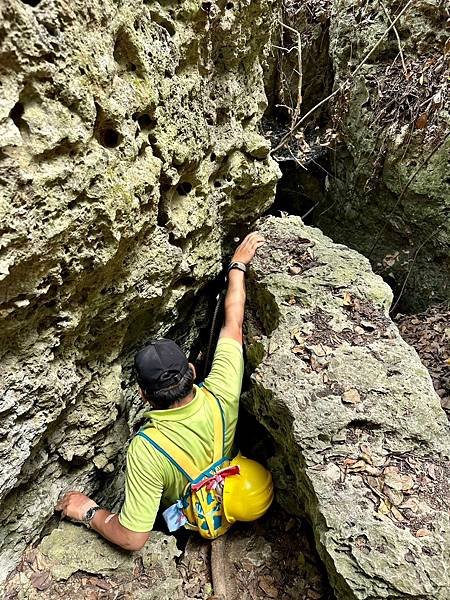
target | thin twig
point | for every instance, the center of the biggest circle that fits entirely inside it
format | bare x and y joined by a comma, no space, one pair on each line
300,71
398,38
405,281
339,89
402,193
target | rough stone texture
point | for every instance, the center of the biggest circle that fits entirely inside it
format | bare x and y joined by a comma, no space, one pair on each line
129,152
362,444
384,188
389,193
72,549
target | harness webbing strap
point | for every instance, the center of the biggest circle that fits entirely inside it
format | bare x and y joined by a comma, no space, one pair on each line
218,423
176,455
173,452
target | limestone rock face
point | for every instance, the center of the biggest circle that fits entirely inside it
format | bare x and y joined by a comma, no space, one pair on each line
129,151
389,196
362,443
71,549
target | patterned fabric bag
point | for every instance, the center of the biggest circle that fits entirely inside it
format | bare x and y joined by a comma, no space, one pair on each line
200,508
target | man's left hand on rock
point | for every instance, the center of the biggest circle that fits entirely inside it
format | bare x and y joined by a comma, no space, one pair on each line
75,505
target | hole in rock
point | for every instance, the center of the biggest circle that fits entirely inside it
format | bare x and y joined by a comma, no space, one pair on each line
50,29
184,188
16,114
105,130
212,157
300,192
229,5
217,183
164,23
31,2
110,138
145,121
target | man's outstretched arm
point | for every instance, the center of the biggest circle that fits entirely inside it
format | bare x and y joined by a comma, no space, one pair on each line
75,505
235,296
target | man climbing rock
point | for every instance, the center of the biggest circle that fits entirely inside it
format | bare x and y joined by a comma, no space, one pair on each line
182,412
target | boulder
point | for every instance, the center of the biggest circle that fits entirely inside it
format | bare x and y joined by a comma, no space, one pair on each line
361,442
70,550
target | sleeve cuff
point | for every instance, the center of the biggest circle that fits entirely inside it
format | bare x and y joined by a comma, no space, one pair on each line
132,527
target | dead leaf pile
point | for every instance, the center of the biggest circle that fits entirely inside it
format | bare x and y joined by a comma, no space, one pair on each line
406,489
429,333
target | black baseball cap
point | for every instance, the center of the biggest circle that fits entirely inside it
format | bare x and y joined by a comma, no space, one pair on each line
161,364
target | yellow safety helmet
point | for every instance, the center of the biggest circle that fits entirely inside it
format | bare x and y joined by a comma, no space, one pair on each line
247,496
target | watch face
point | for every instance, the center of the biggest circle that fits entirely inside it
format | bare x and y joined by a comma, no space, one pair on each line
90,513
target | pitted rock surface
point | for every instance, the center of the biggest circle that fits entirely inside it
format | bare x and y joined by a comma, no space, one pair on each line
71,558
362,444
129,152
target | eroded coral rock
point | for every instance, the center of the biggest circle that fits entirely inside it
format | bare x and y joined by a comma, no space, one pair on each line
362,442
76,562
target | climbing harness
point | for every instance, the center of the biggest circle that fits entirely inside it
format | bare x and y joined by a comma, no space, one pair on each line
200,508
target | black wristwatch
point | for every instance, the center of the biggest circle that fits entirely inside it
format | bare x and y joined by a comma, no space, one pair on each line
90,514
237,265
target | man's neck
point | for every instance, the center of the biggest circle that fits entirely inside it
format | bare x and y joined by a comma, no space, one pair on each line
183,401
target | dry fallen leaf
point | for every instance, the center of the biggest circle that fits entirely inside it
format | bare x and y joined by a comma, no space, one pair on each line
374,482
395,496
351,397
431,471
421,121
391,470
359,466
373,471
411,504
297,349
348,300
398,481
390,259
385,507
422,533
266,584
397,514
273,347
41,581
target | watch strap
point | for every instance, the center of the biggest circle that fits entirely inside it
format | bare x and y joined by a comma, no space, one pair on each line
237,265
90,514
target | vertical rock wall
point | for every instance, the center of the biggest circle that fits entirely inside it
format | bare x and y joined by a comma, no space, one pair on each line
129,150
384,188
389,195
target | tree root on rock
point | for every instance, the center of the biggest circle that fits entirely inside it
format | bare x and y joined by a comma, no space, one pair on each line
222,579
